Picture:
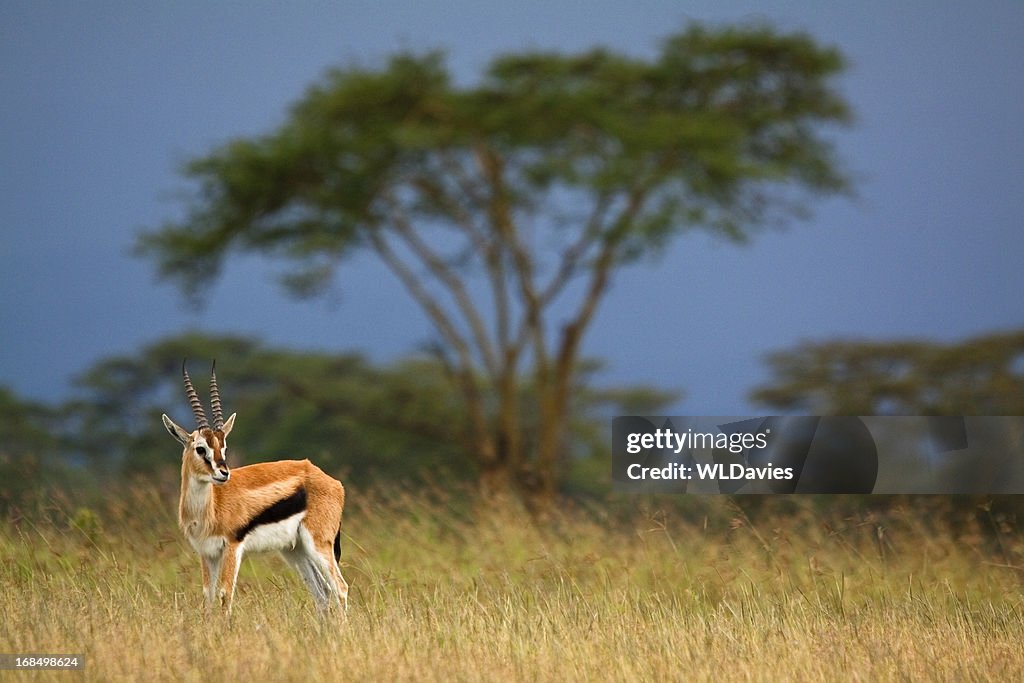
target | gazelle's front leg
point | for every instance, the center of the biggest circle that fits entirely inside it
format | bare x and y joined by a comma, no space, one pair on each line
211,570
205,564
230,561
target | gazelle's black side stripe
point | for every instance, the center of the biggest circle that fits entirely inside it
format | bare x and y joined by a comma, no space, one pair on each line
282,509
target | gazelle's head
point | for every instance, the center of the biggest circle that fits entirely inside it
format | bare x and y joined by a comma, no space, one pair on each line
206,448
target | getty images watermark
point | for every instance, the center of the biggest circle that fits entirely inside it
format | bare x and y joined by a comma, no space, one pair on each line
815,454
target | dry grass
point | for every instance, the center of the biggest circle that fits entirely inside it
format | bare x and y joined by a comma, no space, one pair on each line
439,594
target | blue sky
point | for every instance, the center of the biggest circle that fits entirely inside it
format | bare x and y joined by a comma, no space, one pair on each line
103,101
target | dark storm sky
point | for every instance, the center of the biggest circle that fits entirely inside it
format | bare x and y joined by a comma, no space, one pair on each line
100,102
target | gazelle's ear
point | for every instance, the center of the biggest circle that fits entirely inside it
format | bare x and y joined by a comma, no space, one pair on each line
228,424
176,431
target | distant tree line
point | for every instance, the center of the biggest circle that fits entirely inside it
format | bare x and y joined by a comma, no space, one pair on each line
399,422
979,376
983,375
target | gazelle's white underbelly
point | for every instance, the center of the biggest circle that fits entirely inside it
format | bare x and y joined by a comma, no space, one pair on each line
281,535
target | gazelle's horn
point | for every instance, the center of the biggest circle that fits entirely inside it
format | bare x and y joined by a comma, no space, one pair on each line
218,416
193,399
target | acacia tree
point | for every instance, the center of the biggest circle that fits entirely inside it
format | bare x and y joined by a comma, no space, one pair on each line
504,207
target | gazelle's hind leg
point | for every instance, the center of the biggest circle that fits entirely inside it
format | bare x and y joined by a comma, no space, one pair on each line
313,575
319,571
327,569
342,585
331,556
321,534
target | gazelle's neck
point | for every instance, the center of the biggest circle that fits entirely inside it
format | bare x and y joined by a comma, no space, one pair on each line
195,508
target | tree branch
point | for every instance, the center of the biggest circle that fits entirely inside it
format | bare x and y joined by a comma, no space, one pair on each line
464,373
573,255
500,212
443,272
573,331
488,248
466,186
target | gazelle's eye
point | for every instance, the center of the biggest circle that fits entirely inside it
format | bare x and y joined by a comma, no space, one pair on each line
201,451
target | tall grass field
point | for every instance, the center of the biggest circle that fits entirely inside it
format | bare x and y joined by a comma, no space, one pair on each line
450,589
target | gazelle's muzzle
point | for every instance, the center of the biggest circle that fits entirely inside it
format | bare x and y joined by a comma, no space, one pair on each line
218,465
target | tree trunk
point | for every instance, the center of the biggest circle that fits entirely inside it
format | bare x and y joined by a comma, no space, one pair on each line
549,444
509,467
512,473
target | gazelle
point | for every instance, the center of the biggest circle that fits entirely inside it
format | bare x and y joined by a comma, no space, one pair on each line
290,506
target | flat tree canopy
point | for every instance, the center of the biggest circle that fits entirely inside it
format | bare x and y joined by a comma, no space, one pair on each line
505,206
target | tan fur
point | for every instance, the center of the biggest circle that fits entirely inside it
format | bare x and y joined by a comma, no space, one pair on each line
210,513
